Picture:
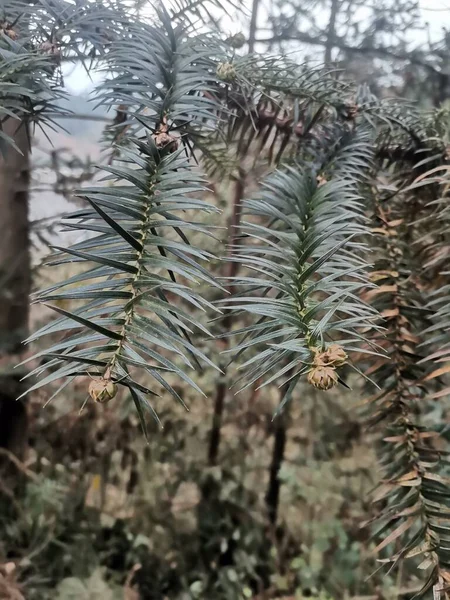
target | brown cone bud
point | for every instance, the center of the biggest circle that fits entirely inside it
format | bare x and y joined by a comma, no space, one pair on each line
323,378
50,48
333,356
319,359
447,152
352,110
12,34
164,140
102,390
336,355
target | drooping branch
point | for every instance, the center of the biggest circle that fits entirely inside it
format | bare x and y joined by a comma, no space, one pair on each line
413,487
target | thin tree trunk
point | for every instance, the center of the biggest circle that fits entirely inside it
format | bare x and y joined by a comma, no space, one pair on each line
331,33
279,446
214,440
253,26
15,282
233,268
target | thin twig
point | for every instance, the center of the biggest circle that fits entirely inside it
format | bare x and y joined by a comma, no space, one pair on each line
19,464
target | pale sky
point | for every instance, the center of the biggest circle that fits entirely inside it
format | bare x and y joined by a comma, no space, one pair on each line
435,12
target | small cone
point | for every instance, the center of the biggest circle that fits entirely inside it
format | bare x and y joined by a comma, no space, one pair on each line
336,355
226,72
323,378
102,390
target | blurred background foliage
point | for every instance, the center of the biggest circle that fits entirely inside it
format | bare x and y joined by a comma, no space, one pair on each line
88,508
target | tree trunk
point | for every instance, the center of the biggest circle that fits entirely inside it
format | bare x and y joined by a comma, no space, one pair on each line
15,282
253,26
221,392
279,446
233,267
331,33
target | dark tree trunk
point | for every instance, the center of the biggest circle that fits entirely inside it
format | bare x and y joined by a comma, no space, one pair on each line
279,446
214,440
221,392
253,26
15,282
331,33
233,267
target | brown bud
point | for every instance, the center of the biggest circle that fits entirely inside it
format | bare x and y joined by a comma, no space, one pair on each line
447,153
352,110
319,357
12,34
50,48
102,390
336,355
226,72
165,140
323,378
321,180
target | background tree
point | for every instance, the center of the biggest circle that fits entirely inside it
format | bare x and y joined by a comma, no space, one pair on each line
34,40
388,45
